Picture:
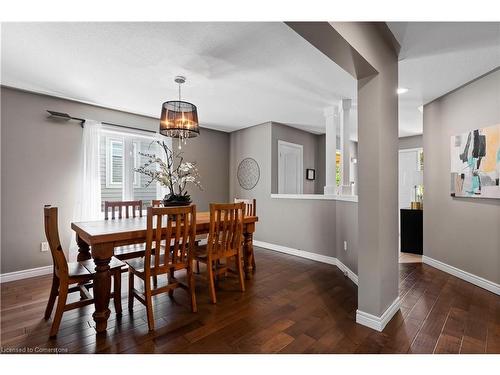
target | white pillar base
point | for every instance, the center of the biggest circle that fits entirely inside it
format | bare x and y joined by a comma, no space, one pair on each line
330,190
346,190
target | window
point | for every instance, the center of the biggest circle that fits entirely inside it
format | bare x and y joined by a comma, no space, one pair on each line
119,155
115,162
338,168
420,166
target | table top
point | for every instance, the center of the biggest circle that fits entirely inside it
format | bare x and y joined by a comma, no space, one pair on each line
115,230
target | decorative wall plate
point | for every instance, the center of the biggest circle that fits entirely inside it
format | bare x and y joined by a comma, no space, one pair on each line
248,173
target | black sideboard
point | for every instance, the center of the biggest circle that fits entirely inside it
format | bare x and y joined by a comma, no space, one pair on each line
411,231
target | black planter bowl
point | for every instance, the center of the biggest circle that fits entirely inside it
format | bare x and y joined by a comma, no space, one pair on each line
175,203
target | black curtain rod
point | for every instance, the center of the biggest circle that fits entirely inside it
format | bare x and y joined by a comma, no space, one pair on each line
82,121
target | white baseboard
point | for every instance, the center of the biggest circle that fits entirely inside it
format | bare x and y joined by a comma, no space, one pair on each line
351,275
306,254
25,274
378,323
464,275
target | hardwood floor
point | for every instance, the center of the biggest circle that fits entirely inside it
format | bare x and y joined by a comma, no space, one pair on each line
292,305
409,258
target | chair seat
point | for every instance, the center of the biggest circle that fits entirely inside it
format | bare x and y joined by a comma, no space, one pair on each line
130,251
77,269
200,252
89,265
138,263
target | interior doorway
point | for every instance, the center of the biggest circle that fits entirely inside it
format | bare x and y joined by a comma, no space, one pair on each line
410,188
410,176
290,168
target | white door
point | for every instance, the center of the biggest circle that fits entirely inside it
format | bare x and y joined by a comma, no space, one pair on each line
409,176
290,174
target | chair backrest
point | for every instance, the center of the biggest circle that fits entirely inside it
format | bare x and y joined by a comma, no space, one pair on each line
175,227
52,234
250,206
156,203
226,229
134,205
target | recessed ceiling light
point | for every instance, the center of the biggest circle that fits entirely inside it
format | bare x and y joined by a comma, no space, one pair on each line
401,90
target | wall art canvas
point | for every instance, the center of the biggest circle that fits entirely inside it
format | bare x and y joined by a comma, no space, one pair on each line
475,163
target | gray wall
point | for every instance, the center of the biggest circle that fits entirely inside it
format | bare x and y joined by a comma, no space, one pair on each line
378,164
461,232
308,225
210,150
346,229
311,144
40,160
320,165
415,141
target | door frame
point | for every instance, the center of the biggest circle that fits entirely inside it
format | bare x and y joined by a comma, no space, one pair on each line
407,150
300,176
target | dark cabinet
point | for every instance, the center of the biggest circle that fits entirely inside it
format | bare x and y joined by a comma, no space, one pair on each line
411,231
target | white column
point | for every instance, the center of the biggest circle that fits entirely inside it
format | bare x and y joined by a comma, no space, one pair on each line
345,121
331,122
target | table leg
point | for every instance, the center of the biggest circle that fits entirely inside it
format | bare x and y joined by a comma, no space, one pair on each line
102,284
83,249
248,254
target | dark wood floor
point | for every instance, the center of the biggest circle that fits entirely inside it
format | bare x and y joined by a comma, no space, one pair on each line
292,305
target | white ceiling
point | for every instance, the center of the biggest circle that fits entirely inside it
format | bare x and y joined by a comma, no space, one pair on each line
437,57
238,74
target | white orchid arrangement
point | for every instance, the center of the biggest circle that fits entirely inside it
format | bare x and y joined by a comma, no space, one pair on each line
173,173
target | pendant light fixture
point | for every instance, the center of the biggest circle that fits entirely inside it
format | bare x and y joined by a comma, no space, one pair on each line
179,119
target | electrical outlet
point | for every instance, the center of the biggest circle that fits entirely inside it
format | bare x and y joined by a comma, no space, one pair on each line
345,245
44,246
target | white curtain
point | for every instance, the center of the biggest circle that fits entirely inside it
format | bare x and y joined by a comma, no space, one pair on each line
161,190
88,198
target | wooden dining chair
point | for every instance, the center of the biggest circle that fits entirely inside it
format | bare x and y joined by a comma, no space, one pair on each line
175,226
156,202
225,240
65,274
250,206
250,210
130,209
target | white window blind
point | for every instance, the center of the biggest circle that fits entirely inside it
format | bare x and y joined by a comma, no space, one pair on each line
119,157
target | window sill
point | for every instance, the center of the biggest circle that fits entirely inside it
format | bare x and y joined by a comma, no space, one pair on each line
346,198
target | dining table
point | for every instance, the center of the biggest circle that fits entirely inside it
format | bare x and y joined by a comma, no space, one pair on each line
97,240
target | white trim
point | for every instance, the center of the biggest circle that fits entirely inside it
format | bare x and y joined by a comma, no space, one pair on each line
411,149
346,270
464,275
328,197
308,255
297,252
110,184
375,322
25,274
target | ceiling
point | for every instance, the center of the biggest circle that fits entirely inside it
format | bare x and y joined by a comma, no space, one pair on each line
238,74
438,57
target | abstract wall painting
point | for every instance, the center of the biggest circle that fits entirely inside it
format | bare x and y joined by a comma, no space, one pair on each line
475,163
